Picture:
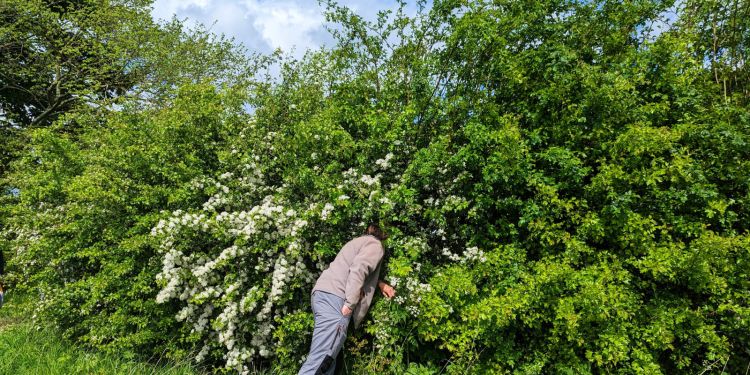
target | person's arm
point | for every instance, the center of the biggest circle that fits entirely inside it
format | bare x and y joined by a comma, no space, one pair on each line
364,262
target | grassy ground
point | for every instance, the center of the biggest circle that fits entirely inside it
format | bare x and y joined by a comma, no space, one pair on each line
24,349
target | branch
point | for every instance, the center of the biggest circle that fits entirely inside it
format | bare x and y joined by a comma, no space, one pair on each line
51,109
22,89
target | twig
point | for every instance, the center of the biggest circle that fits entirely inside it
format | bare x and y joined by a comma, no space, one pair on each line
709,367
471,363
447,363
725,364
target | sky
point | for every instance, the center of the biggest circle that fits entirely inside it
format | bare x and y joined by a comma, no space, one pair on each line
262,26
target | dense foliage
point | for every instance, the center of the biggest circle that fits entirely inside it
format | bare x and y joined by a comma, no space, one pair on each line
567,185
65,56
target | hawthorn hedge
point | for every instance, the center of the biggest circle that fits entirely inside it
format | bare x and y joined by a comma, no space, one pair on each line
566,184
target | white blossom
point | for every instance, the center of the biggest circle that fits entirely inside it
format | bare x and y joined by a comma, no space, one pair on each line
327,209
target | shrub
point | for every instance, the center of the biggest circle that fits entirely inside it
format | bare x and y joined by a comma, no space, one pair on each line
566,192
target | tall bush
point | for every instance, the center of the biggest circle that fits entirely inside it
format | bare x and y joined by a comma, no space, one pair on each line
567,191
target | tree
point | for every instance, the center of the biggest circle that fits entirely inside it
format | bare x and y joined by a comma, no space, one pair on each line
87,55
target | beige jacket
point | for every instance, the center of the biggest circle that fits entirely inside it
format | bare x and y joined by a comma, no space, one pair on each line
353,275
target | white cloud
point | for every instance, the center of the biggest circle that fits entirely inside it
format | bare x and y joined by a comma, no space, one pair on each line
164,9
292,25
232,20
260,25
286,24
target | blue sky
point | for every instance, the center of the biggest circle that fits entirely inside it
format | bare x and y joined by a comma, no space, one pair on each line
265,25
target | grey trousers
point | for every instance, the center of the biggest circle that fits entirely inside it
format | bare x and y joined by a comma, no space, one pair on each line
328,335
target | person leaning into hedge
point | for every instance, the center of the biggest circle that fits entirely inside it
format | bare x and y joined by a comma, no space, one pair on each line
344,290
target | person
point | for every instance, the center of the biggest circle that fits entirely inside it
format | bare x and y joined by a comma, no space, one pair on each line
343,292
2,293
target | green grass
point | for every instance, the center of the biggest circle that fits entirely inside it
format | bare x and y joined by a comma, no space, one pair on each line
26,349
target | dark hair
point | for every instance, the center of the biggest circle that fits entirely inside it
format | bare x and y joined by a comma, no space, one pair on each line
374,230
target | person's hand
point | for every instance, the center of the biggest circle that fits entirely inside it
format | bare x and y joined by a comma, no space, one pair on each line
346,311
387,290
